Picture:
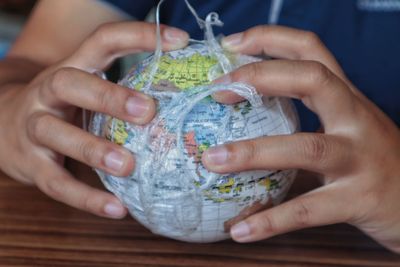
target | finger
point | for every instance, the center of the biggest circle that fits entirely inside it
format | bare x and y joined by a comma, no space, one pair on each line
310,81
66,139
60,185
285,43
114,40
316,208
288,43
79,88
309,151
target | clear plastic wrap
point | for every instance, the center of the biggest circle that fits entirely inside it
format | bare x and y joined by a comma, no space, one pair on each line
170,191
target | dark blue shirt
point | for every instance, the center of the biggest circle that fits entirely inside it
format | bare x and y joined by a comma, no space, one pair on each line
364,36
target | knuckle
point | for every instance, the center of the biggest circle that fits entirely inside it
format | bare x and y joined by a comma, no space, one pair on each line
38,126
301,213
236,76
373,199
249,73
88,203
251,150
243,152
109,38
264,225
373,195
101,35
107,99
143,32
318,74
53,188
259,31
311,40
256,70
60,80
315,148
88,152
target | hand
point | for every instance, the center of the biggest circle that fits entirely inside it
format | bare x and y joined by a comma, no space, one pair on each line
358,152
36,119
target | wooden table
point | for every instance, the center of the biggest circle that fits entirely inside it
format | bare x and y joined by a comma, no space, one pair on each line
37,231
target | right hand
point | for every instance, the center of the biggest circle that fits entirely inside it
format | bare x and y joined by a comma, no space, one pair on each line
36,119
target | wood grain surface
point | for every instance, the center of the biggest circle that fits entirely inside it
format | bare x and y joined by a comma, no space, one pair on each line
37,231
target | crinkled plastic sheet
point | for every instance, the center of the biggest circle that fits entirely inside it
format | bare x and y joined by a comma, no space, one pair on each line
185,202
175,208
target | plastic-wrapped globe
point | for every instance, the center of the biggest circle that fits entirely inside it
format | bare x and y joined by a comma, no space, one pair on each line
170,191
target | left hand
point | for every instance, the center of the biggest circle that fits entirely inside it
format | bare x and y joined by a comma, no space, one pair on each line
358,152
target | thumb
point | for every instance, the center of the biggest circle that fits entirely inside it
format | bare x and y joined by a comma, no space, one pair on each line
316,208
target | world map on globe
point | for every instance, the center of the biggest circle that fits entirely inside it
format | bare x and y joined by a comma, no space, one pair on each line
168,153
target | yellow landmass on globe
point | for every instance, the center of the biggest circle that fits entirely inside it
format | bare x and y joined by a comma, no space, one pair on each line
182,73
116,131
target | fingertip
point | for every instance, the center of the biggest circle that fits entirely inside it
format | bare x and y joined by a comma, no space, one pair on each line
141,108
217,155
118,161
233,42
151,111
227,97
129,164
176,38
241,232
215,158
206,161
114,209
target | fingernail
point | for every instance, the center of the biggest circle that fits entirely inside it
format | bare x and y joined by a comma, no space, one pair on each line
217,155
114,210
137,106
232,41
114,160
225,79
240,231
174,35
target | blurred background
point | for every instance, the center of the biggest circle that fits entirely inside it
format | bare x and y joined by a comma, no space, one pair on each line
13,14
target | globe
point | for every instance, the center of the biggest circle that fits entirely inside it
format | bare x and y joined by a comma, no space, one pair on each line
171,192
